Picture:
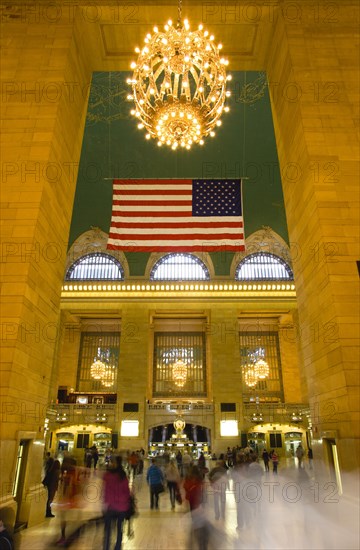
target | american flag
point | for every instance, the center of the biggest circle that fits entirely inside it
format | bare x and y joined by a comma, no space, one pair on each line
176,215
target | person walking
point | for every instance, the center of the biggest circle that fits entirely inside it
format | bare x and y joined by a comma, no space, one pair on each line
179,459
51,482
155,479
88,456
194,494
186,463
219,483
310,457
275,461
95,456
49,461
202,464
172,477
300,454
116,502
266,459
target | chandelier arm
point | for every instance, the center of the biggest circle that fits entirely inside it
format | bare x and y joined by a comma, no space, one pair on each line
154,78
176,85
179,21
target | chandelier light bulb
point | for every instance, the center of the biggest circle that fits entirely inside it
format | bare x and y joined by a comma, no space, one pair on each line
179,78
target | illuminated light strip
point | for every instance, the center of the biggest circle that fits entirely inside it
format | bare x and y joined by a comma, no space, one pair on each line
181,287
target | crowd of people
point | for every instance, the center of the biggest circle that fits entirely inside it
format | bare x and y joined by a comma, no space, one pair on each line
184,478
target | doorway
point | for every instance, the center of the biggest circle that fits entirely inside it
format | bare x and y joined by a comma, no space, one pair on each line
20,472
333,462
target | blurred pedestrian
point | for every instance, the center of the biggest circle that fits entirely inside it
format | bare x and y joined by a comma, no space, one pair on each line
300,454
49,461
194,493
68,492
116,501
51,482
266,459
179,460
186,462
219,482
239,474
6,540
310,457
155,479
88,456
94,456
133,464
172,477
275,461
202,464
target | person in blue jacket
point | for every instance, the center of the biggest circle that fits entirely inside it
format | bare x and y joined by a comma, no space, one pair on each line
155,479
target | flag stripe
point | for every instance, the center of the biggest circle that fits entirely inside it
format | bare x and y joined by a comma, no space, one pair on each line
203,247
152,182
179,236
174,225
176,215
129,193
163,202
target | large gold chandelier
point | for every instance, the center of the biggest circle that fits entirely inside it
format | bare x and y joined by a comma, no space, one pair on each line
255,370
179,85
97,369
179,373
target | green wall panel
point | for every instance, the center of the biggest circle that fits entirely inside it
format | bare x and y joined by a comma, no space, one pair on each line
113,147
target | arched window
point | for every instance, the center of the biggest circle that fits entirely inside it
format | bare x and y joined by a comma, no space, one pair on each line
96,266
263,266
179,267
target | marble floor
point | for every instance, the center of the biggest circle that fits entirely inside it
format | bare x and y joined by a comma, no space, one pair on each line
293,510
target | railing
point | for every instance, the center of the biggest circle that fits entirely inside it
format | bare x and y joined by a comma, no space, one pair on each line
67,413
263,413
178,407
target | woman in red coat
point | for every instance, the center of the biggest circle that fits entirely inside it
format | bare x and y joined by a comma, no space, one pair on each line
117,502
194,493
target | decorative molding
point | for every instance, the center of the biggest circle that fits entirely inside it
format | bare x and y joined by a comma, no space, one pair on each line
94,241
263,240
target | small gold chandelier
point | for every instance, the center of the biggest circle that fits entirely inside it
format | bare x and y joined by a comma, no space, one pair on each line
179,85
250,376
108,377
179,373
97,369
261,369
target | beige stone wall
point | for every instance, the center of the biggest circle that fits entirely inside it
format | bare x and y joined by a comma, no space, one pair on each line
42,126
133,374
318,152
291,365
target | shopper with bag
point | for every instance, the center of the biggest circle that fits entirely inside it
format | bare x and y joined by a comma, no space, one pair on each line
155,479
